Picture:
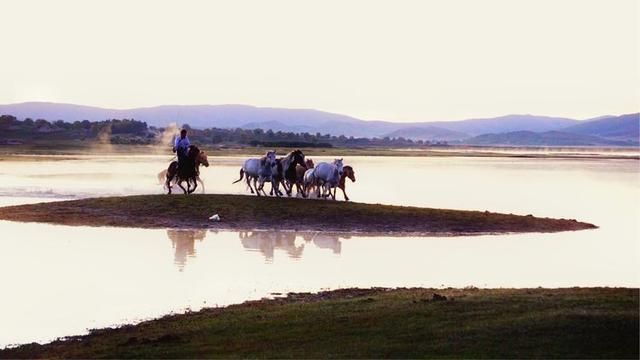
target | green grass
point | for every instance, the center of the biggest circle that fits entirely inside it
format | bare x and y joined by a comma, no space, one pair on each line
242,212
379,323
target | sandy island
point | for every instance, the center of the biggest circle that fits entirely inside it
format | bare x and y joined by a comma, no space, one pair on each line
252,212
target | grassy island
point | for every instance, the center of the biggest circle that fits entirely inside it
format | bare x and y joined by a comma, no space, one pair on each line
252,212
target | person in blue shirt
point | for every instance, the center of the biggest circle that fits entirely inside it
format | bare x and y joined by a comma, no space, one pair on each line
181,147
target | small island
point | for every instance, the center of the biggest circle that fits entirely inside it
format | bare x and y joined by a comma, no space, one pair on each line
252,212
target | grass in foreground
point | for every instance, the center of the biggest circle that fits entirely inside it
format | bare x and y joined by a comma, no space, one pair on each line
381,323
242,212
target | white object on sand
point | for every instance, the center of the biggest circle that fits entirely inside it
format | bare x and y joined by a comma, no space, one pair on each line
215,217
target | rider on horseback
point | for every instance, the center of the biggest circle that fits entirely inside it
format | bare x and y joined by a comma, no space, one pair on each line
181,148
187,167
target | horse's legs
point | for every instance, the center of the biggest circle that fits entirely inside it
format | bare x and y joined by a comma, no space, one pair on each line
346,198
179,182
284,185
195,185
201,183
255,182
299,189
168,183
287,187
275,187
249,184
262,187
326,191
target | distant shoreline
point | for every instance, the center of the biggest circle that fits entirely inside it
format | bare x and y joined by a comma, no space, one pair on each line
250,212
8,152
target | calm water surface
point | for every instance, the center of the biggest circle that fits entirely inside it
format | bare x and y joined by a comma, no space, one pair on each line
59,281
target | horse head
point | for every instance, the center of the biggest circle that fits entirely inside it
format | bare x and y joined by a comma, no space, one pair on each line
269,158
348,172
298,158
202,159
309,163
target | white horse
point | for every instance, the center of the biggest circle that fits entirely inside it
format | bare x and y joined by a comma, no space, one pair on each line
308,182
326,176
259,170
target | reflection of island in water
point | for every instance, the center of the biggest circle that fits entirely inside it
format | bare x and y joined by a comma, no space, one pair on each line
184,243
266,242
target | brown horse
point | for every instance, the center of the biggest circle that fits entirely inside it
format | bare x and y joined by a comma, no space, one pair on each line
190,173
347,172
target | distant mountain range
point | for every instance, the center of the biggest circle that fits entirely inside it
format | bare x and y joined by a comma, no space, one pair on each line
625,127
621,130
503,130
547,138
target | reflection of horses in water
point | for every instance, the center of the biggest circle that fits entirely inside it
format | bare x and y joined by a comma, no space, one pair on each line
325,241
267,241
188,173
184,243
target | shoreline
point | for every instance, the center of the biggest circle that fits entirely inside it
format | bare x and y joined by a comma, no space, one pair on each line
379,322
546,152
239,212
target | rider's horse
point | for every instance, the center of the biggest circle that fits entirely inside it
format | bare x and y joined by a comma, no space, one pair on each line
189,172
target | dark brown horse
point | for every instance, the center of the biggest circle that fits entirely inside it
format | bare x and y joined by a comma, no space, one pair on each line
285,172
347,172
188,173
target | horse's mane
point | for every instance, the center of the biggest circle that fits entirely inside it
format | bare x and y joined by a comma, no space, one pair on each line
292,154
263,159
194,151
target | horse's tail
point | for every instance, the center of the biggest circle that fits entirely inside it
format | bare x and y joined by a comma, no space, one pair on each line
162,177
241,175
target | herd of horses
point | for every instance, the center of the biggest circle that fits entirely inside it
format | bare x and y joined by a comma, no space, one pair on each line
291,171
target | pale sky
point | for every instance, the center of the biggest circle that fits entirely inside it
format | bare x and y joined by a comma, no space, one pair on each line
389,60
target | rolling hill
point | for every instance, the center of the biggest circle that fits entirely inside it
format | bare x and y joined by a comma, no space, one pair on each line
624,127
507,123
548,138
296,120
517,129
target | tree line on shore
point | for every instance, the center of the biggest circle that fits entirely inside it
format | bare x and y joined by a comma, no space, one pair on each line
130,131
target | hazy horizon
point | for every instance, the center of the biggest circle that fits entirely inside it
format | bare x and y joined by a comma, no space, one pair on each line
401,62
322,110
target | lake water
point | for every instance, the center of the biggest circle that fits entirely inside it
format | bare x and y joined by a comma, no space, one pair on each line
60,281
